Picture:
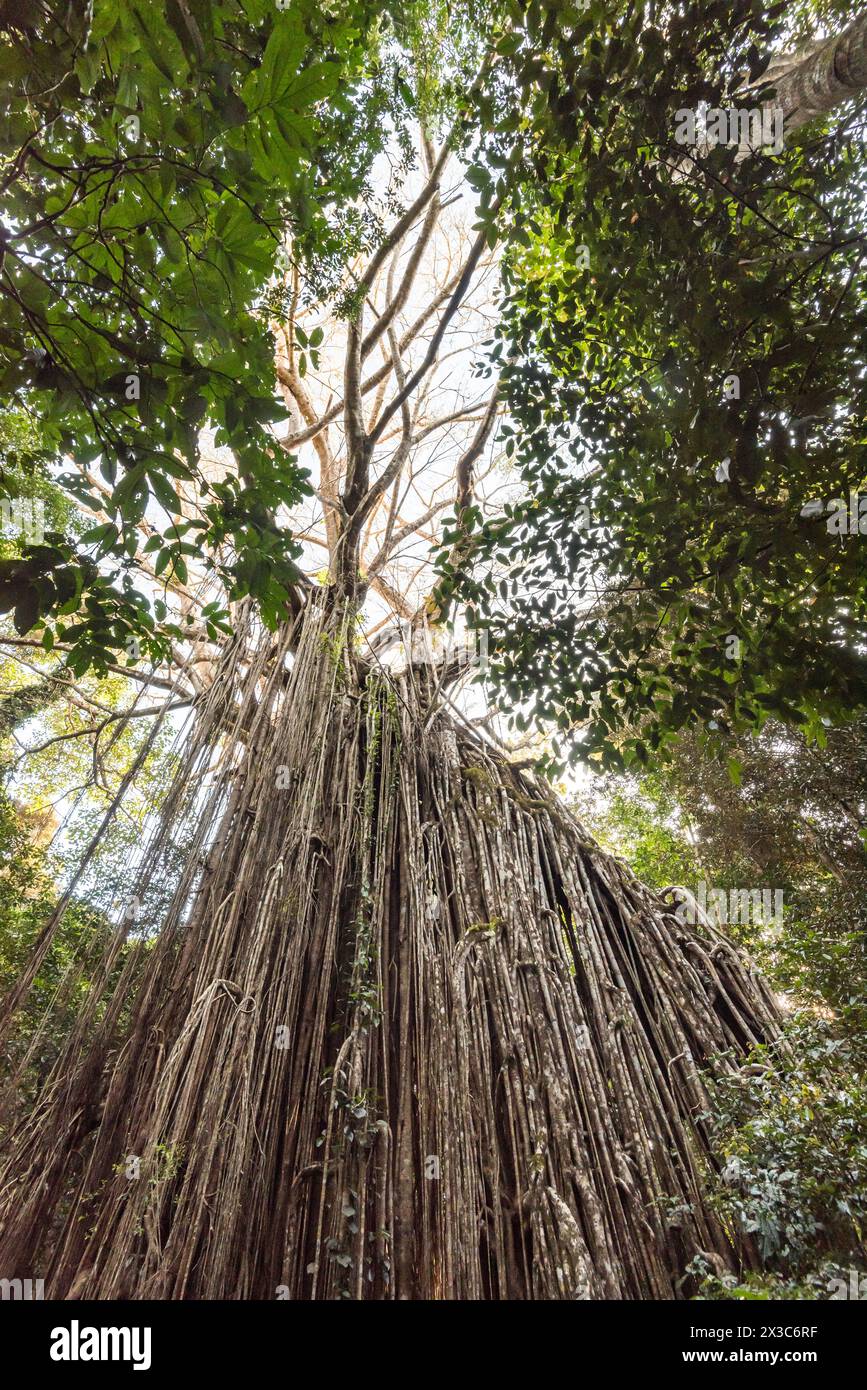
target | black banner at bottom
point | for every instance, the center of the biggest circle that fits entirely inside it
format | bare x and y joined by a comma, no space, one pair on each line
85,1340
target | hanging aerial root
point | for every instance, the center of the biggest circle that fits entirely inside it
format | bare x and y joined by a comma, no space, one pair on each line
404,1030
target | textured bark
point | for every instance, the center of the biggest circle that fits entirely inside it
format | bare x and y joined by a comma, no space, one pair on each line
802,86
490,1079
813,83
23,704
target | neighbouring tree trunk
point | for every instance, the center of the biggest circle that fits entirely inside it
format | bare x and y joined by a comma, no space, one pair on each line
813,82
23,704
404,1032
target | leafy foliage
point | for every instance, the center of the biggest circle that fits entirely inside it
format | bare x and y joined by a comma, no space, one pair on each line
794,820
788,1126
154,153
791,1131
662,514
27,896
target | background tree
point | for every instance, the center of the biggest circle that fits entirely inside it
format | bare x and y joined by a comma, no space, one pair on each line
152,163
681,348
794,819
790,1126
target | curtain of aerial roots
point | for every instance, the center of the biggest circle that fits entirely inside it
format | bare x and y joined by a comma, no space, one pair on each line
404,1032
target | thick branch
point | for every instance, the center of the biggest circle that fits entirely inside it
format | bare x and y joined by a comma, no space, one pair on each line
293,441
353,420
433,347
813,84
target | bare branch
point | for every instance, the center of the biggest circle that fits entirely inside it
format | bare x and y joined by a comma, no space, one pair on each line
433,348
399,300
411,528
294,441
145,678
94,730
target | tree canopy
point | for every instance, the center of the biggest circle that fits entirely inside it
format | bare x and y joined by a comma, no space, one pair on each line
678,345
154,156
681,342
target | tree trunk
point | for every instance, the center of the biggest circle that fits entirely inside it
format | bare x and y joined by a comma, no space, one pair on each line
812,83
23,704
404,1032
